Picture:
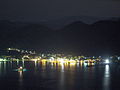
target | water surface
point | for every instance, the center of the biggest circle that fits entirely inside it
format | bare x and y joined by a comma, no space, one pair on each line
58,76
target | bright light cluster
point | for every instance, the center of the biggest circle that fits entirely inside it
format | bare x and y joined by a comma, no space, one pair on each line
107,61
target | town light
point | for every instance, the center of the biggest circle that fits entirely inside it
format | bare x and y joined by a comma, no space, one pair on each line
107,61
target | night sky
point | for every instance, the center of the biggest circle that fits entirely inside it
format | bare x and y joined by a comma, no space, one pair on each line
43,10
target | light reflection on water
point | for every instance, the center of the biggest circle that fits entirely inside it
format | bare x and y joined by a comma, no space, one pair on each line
66,76
106,79
2,68
62,76
20,76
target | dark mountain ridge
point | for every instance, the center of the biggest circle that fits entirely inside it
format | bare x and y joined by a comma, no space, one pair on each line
99,38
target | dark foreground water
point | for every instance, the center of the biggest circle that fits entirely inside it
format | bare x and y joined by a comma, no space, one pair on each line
55,76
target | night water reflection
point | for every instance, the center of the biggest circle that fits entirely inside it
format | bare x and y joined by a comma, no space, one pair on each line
20,78
106,81
55,76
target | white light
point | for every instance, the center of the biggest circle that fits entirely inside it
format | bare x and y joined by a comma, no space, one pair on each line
118,58
61,60
107,61
21,67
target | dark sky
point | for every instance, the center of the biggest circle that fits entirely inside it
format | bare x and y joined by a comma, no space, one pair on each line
104,36
42,10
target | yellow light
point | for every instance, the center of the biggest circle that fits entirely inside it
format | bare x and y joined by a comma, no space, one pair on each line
72,63
43,60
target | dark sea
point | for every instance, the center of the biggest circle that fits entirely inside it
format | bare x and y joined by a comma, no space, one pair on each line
58,76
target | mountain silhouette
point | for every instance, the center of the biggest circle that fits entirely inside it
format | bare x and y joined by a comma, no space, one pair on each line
77,38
